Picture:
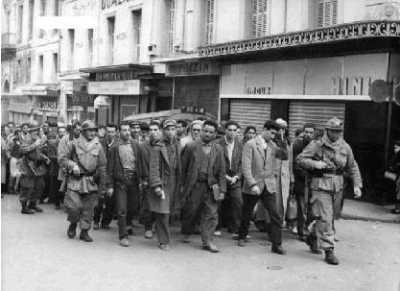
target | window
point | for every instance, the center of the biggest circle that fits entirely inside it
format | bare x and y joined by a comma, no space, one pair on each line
55,65
137,24
56,7
71,38
20,11
90,46
42,12
30,26
111,31
19,71
171,32
326,13
28,70
259,18
40,70
210,19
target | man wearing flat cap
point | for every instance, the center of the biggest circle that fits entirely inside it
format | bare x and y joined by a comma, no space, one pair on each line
85,163
163,179
136,132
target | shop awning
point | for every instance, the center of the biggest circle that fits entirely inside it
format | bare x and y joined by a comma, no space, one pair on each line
42,90
145,69
348,38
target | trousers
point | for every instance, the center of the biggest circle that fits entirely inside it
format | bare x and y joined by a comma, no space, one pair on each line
200,205
104,210
80,207
31,188
322,216
269,201
126,195
161,221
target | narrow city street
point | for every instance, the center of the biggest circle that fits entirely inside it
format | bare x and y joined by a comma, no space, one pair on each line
37,255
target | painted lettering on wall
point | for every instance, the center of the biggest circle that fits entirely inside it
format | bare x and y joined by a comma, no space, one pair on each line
351,85
105,4
192,68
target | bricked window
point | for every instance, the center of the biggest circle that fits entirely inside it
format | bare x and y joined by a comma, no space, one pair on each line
171,31
137,28
326,12
28,69
259,18
210,20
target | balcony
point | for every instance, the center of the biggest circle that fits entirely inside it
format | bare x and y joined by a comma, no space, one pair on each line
8,45
348,38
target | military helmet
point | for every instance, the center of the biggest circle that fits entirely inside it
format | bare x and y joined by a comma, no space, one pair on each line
88,125
334,124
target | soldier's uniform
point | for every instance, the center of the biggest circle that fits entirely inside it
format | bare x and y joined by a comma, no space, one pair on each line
81,195
327,184
28,147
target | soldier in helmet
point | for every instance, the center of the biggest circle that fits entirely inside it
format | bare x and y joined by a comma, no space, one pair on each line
28,147
327,160
85,162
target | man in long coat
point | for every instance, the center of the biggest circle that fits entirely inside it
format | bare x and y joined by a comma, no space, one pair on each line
164,181
204,184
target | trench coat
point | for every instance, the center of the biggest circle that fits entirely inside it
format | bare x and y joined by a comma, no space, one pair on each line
163,174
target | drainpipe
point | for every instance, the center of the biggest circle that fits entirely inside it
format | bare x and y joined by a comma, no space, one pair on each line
285,17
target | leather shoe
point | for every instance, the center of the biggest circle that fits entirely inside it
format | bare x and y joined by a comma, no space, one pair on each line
211,248
96,226
186,239
278,250
34,207
330,257
25,209
72,230
241,243
164,247
148,234
84,236
124,242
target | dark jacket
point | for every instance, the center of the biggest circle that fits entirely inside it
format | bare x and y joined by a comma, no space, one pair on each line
190,167
114,166
235,169
163,174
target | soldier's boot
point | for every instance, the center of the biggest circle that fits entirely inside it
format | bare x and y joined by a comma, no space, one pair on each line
33,206
72,230
330,257
85,236
25,209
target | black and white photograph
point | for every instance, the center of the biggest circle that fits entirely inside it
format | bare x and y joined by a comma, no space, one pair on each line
200,145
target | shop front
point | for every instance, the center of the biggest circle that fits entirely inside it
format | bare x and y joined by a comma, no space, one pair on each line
20,108
314,90
124,90
196,85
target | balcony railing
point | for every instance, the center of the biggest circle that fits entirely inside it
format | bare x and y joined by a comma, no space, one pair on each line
8,40
349,31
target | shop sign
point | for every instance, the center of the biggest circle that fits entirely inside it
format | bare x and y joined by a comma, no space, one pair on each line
192,69
105,4
130,87
80,99
116,76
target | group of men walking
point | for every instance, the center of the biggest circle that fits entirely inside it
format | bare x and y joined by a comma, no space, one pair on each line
204,175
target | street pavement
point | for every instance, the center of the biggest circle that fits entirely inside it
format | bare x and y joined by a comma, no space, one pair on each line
37,255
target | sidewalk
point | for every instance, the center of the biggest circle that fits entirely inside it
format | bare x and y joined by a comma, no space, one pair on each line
359,210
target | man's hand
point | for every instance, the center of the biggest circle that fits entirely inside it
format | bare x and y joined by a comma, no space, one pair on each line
319,165
221,196
110,192
357,192
256,189
160,192
234,180
76,171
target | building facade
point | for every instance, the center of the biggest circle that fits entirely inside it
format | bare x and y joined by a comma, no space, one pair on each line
31,74
302,60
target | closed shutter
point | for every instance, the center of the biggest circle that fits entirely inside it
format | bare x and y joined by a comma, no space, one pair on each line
210,19
318,113
259,18
171,33
326,13
250,112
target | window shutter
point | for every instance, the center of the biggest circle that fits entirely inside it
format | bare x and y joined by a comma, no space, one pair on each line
210,14
171,36
326,13
259,18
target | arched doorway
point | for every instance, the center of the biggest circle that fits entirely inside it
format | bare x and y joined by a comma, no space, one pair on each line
6,87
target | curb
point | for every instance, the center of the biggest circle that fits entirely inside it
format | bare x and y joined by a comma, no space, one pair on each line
371,219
